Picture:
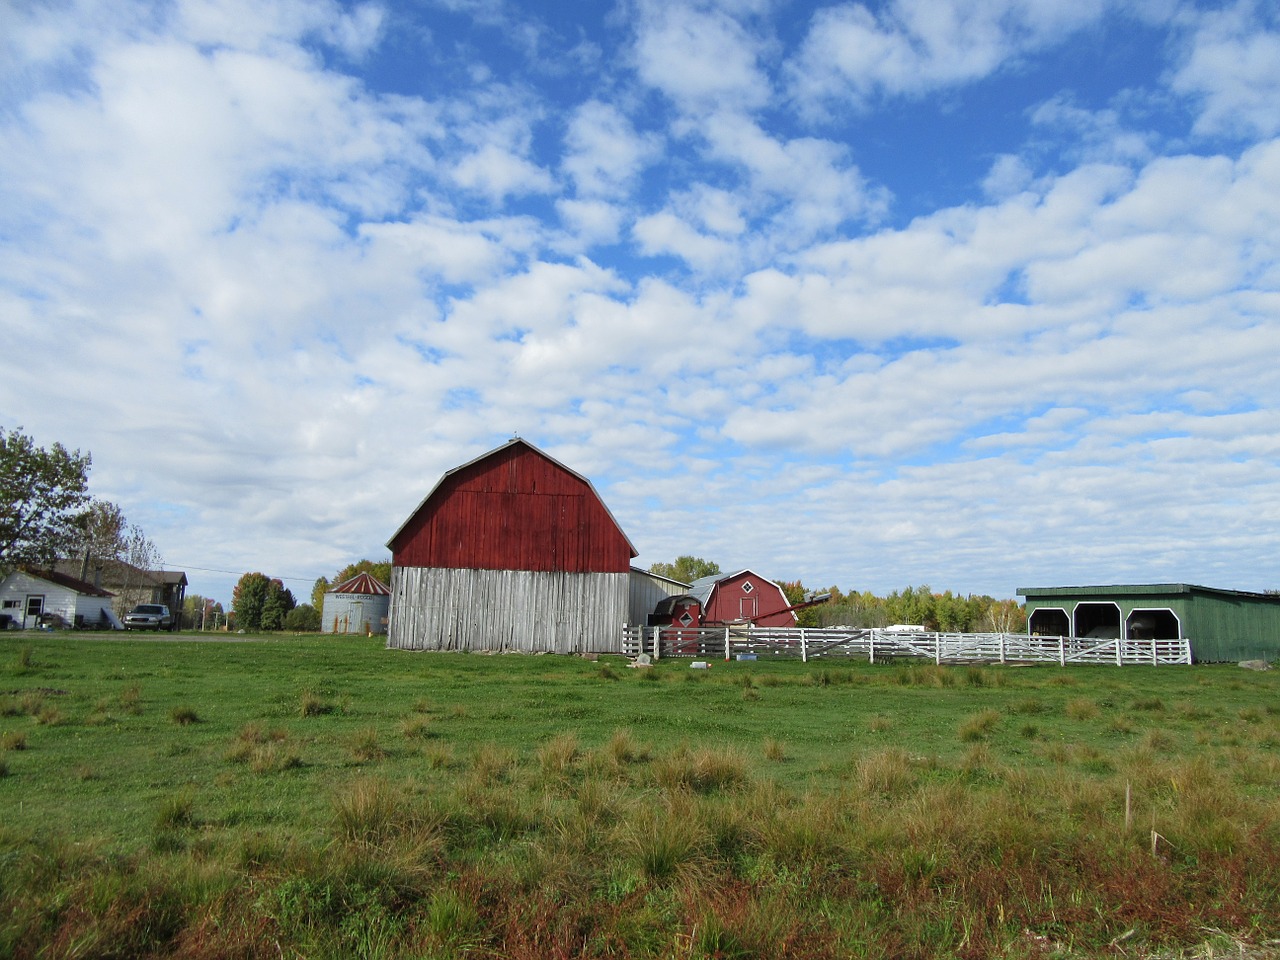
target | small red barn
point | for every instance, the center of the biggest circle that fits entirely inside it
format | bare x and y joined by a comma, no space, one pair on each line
740,597
512,551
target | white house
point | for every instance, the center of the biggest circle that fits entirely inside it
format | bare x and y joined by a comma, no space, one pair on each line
30,598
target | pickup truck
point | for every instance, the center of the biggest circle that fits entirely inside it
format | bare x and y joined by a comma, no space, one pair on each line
148,616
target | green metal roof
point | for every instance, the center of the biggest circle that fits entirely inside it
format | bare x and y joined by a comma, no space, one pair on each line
1140,589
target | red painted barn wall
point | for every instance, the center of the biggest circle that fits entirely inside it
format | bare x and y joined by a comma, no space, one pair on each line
764,603
513,510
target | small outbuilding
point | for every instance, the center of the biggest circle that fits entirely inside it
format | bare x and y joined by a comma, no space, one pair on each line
359,605
46,598
1222,625
648,591
742,597
511,551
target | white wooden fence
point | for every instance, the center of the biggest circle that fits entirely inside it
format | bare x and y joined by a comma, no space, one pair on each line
809,643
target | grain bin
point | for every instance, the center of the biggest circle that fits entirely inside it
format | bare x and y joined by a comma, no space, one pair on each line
359,605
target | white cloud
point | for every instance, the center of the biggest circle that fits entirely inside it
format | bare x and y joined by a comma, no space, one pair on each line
699,58
499,173
1093,136
1233,70
665,233
909,47
605,154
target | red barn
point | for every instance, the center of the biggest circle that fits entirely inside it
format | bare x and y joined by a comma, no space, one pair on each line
742,596
512,551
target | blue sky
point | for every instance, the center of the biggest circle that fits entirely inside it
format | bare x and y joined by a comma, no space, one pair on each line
974,293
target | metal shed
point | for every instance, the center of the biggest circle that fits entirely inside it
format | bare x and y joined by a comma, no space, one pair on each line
1222,625
359,605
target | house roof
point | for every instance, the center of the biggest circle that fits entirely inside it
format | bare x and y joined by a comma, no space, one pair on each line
1141,589
70,583
703,586
484,456
119,573
365,585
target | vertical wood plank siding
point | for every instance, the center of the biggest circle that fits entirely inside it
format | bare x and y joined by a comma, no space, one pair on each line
434,608
514,510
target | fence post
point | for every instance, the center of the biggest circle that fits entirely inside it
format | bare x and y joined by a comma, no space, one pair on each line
804,651
726,643
1155,657
1062,651
657,645
1002,639
937,649
1119,651
873,646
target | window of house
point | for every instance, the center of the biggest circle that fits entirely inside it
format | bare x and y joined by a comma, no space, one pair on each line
11,605
747,586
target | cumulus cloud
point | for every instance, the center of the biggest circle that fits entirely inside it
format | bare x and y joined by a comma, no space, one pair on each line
1233,70
908,47
700,58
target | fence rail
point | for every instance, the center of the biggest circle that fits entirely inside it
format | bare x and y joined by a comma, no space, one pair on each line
810,643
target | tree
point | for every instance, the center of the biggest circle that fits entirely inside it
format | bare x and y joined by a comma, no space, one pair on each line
795,593
686,569
42,497
103,531
261,603
200,612
248,599
276,607
318,590
303,618
140,556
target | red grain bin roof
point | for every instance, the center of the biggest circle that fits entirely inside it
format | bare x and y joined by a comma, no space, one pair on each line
365,585
513,508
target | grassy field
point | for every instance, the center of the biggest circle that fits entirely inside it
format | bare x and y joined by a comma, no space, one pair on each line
321,797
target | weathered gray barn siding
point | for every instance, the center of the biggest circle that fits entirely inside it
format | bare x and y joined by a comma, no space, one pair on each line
444,608
647,591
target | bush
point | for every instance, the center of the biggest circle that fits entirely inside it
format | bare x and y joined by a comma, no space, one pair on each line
303,619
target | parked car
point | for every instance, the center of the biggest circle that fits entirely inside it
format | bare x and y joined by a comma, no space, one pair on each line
148,616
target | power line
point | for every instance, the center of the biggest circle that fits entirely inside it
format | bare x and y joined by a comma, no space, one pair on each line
236,573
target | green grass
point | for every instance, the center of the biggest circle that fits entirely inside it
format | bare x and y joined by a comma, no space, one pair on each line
326,797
